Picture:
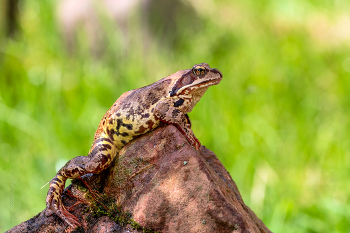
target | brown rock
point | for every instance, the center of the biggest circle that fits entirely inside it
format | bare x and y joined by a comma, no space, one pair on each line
167,186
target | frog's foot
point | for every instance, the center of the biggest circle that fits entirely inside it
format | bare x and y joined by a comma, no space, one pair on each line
79,200
69,218
54,202
191,138
196,143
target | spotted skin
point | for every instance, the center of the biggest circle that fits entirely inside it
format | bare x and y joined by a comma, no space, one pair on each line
136,112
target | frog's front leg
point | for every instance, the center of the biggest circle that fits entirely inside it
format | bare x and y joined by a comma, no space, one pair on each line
169,114
100,157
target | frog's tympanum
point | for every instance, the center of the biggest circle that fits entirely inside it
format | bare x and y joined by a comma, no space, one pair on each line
136,112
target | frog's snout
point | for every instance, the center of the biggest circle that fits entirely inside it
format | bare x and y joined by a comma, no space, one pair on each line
216,71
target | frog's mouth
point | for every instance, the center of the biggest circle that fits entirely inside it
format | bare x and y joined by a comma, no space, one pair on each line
209,83
198,86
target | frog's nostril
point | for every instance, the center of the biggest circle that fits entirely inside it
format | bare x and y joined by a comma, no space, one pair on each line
216,71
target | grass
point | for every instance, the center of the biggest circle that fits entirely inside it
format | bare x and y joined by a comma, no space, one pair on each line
279,120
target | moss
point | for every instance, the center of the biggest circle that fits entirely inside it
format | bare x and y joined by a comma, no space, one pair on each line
79,185
78,230
122,172
88,218
86,210
106,206
179,146
145,230
135,225
136,161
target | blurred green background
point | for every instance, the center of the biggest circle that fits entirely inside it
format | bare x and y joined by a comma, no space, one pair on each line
279,120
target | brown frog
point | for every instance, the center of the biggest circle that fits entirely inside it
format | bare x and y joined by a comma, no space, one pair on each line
136,112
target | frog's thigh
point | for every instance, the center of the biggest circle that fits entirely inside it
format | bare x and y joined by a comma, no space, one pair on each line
101,155
99,162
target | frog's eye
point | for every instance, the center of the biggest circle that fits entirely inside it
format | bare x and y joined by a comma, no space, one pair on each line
199,70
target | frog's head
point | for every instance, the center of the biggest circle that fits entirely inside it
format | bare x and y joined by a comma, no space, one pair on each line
192,84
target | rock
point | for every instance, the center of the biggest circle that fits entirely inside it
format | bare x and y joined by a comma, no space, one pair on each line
167,186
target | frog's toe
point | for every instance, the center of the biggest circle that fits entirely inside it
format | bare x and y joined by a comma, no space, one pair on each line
54,205
70,218
195,143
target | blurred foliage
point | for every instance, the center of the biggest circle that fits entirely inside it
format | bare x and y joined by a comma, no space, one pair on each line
279,120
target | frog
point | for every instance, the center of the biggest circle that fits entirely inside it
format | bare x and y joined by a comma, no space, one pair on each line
134,113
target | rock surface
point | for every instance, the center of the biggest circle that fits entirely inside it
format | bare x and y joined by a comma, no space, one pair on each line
167,186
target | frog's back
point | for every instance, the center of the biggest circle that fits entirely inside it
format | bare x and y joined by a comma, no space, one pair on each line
132,113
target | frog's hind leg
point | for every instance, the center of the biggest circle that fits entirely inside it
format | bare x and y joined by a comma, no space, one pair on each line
100,157
54,201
